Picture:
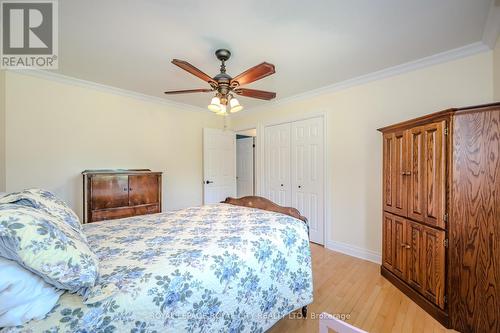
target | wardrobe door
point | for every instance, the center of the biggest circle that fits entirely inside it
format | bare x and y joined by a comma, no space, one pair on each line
388,242
400,172
433,264
400,247
434,174
307,164
277,164
415,174
414,255
388,173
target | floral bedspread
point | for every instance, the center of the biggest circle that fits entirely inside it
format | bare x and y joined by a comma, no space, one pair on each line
215,268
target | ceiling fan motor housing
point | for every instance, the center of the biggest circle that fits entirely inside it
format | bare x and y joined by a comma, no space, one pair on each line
223,54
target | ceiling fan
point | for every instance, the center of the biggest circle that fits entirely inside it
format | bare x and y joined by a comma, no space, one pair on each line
225,86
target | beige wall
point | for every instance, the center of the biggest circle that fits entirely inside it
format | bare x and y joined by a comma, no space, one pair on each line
56,130
496,70
2,131
354,145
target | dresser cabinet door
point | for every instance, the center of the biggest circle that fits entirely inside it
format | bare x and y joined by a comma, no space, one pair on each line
433,265
434,173
415,174
143,189
109,191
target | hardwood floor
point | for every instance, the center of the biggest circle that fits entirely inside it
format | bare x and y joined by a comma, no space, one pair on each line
354,289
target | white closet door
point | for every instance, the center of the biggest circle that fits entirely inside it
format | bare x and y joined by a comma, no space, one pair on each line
307,174
244,167
277,164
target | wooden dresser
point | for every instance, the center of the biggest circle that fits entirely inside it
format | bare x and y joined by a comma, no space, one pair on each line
114,194
441,214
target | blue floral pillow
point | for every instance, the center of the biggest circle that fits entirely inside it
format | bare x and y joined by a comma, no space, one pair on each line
48,247
45,201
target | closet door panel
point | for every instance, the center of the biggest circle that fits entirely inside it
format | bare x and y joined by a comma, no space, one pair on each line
277,164
307,174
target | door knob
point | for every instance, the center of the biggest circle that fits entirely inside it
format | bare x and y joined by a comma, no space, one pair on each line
300,186
208,182
281,185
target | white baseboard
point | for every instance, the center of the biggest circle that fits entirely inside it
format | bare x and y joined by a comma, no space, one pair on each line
354,251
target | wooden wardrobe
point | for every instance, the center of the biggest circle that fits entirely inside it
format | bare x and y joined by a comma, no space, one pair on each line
441,214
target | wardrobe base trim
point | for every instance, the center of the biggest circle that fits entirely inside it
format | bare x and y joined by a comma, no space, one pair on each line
440,315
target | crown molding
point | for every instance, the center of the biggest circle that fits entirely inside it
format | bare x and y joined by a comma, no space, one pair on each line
42,74
491,30
443,57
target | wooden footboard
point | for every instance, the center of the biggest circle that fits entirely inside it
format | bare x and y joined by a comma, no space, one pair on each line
264,204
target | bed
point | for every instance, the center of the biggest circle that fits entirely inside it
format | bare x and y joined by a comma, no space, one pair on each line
224,267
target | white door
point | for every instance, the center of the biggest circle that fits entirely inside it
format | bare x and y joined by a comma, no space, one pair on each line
307,178
277,164
244,167
219,165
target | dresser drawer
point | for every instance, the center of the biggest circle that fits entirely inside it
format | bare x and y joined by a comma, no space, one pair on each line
112,214
147,209
119,213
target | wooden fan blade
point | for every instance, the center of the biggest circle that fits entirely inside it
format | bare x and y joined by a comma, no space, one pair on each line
193,70
187,91
260,94
255,73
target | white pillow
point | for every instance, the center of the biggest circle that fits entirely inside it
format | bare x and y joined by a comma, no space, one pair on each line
23,295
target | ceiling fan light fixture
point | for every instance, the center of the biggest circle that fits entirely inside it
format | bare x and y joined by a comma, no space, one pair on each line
223,110
235,105
215,105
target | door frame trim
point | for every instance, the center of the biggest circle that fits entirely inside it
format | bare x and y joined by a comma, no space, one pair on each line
327,169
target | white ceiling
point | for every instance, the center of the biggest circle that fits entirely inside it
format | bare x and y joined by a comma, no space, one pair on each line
129,44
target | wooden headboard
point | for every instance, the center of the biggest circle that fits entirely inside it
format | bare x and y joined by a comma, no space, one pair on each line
264,204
